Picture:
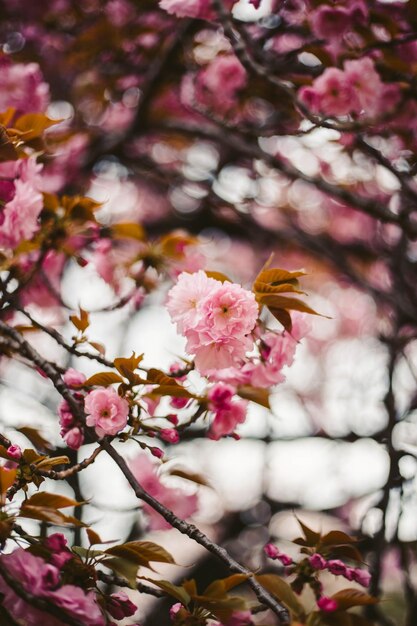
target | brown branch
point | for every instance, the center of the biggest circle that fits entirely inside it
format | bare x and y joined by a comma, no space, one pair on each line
199,537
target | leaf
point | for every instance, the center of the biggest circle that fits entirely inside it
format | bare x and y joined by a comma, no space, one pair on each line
126,366
82,322
312,537
336,538
172,390
33,125
347,552
141,552
192,476
98,346
46,514
347,598
51,461
7,478
158,377
221,608
277,301
218,276
52,500
35,438
283,318
128,230
103,379
219,588
255,394
93,537
276,277
7,150
179,593
124,568
282,591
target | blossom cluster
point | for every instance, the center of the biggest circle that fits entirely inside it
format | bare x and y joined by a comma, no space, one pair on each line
357,89
316,562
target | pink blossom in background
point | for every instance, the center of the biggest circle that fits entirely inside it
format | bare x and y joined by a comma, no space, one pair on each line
182,504
19,217
221,80
22,87
192,8
73,378
44,289
330,94
106,411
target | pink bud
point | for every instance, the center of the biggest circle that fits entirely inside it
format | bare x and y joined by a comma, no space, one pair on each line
327,604
74,438
362,577
173,419
119,605
157,452
271,551
175,608
336,567
170,435
285,559
179,403
73,378
14,452
317,561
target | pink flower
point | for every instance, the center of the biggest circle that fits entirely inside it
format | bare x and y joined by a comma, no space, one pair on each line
229,311
175,608
317,561
181,503
56,542
366,84
22,87
119,606
328,22
331,93
66,418
185,296
188,8
14,452
220,396
80,604
222,79
226,420
327,604
74,438
336,567
106,411
169,435
73,378
221,353
19,217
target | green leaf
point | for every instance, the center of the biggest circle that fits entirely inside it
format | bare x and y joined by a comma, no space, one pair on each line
103,379
283,592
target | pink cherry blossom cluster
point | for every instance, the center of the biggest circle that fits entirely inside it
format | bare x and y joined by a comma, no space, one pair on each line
21,201
179,614
44,580
216,318
357,89
182,504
